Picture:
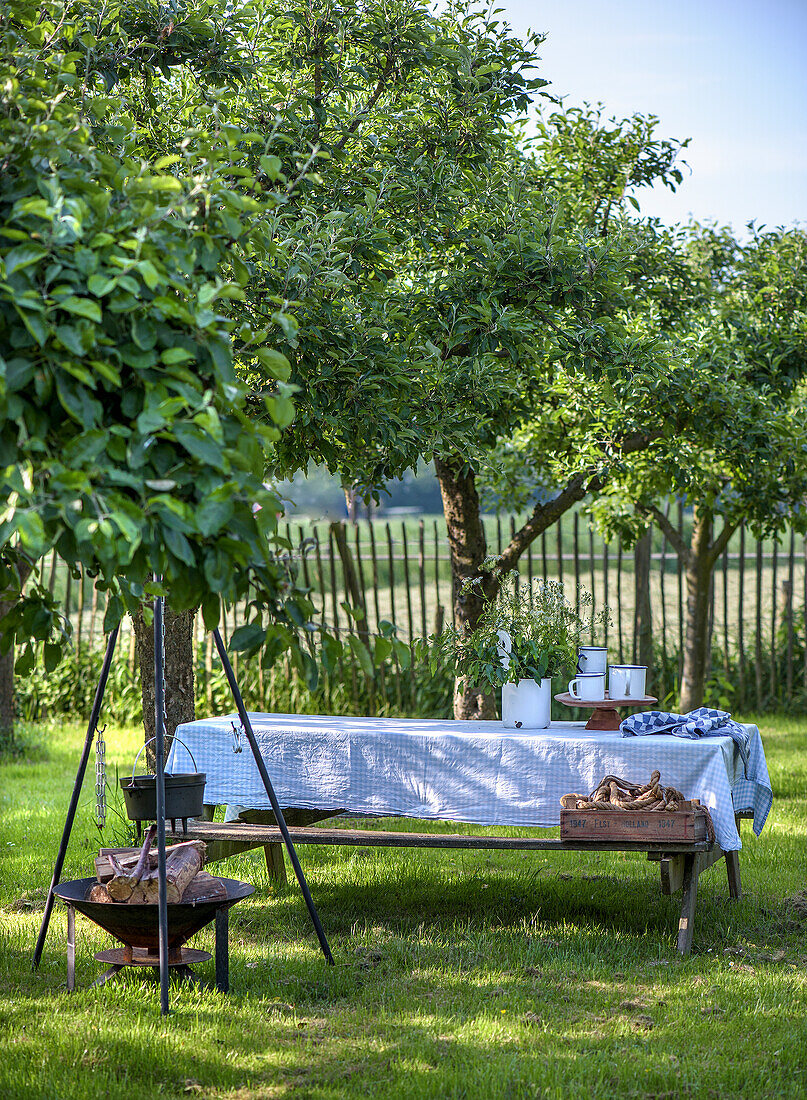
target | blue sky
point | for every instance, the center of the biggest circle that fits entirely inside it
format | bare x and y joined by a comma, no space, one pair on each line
732,76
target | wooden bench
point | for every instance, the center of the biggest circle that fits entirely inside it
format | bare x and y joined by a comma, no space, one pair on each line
680,863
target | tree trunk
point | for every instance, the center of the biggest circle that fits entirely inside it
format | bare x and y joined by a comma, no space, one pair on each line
468,547
696,636
7,667
179,700
643,622
6,688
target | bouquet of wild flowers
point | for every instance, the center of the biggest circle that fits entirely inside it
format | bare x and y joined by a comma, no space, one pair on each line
530,632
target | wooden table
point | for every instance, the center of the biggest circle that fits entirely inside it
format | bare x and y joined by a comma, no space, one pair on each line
680,863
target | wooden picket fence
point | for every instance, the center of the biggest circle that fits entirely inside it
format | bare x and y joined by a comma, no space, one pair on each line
398,571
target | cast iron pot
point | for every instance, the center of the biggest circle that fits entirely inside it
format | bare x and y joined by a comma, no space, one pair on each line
184,792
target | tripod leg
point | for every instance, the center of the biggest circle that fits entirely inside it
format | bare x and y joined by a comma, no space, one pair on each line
71,812
159,730
267,785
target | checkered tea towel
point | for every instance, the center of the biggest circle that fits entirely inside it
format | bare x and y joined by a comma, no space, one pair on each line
703,722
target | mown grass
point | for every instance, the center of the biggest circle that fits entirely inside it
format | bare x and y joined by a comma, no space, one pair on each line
458,974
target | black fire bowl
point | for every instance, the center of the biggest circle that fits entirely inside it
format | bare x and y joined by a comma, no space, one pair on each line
137,926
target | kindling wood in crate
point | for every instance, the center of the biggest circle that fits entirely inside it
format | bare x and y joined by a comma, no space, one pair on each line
130,877
615,797
613,793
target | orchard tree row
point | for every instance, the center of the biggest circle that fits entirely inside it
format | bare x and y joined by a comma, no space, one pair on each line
234,239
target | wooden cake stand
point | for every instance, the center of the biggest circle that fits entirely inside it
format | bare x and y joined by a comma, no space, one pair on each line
604,715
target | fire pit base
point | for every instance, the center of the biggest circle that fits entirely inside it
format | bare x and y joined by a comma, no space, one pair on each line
128,956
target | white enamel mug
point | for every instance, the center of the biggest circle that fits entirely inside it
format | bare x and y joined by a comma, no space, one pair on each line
627,681
592,658
588,686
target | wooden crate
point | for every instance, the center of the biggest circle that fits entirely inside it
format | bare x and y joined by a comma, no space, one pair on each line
658,826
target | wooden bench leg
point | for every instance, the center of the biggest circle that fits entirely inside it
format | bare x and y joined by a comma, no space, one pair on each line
275,863
733,867
686,922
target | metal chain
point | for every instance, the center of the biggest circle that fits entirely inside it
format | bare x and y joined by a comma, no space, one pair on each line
100,777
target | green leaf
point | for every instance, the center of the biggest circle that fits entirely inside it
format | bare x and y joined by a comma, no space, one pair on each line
361,654
248,637
82,307
24,256
52,653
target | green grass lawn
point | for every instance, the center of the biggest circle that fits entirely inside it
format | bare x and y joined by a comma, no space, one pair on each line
459,974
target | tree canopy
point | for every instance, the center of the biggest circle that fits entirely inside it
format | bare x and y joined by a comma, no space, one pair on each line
125,437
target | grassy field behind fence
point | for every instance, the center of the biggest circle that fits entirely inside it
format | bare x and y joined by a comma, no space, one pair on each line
478,975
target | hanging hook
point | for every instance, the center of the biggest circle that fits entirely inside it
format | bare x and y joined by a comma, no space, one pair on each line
238,736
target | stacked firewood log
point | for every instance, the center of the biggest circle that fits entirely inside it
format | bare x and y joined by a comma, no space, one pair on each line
129,876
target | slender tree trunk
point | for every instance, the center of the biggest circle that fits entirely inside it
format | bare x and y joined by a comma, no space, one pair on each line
6,688
179,695
696,637
7,667
468,546
643,623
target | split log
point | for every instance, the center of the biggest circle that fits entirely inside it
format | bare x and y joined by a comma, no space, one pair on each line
99,892
122,884
182,864
204,887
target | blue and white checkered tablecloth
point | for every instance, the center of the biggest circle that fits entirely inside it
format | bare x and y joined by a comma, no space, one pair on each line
476,772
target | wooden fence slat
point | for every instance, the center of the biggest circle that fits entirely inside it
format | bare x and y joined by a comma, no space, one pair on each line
605,591
576,549
593,580
407,583
740,616
559,536
52,578
512,535
772,669
422,578
758,639
791,567
93,613
334,591
396,663
393,617
725,577
662,593
376,584
360,577
680,572
320,573
80,622
438,614
619,598
543,556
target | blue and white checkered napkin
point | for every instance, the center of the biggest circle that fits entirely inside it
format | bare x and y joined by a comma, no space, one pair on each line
703,722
